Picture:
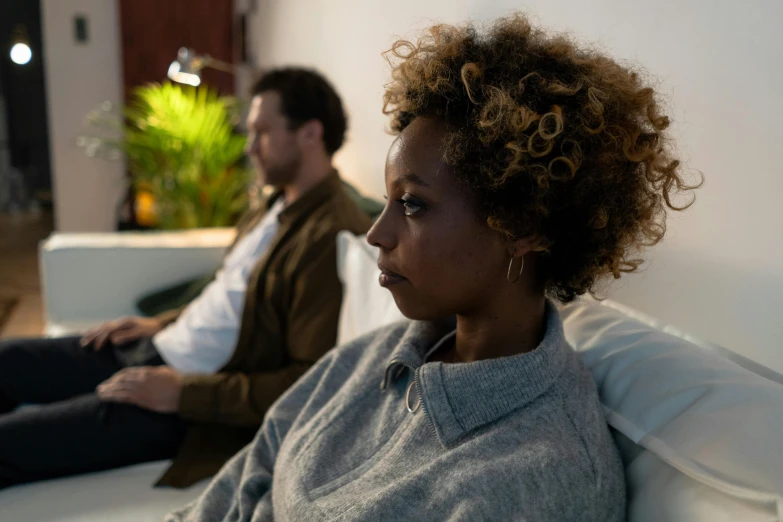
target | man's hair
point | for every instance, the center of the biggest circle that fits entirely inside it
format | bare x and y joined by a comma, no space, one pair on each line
306,96
552,139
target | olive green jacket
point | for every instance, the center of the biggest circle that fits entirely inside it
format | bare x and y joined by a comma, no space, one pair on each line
289,321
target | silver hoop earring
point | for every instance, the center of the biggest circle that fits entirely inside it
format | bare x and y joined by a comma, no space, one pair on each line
521,268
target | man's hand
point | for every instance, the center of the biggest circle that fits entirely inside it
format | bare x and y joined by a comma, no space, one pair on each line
121,331
155,388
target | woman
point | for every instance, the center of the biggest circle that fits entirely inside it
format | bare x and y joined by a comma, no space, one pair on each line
525,168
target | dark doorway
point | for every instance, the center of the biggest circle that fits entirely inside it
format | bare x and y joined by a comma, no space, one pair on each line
23,88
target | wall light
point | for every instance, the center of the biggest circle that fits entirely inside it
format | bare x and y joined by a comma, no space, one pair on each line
21,54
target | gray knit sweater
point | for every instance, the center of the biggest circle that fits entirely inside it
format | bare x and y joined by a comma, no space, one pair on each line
515,438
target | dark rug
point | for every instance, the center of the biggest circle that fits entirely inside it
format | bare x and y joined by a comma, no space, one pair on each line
7,305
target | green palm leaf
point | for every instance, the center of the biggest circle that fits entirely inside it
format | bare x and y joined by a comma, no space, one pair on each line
181,145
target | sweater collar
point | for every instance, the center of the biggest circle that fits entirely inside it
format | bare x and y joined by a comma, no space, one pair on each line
458,398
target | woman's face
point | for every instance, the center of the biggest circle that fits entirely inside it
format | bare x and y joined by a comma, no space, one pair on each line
436,256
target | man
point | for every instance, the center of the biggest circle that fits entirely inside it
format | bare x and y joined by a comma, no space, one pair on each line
194,384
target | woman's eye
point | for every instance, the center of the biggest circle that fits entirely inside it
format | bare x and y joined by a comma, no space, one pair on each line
411,205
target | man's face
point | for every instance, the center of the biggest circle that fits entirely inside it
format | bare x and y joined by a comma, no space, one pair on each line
271,144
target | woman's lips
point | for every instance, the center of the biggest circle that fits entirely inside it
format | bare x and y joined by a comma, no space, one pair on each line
389,278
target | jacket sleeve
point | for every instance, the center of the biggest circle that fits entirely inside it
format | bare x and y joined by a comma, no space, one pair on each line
311,331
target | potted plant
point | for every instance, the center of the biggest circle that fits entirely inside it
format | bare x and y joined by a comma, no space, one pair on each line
185,159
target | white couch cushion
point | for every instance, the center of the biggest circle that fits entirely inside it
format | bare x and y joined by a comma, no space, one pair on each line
90,278
688,408
701,436
120,495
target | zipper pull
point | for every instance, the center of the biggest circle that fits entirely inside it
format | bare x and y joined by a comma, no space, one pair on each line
416,407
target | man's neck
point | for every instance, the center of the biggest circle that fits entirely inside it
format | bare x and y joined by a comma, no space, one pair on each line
309,177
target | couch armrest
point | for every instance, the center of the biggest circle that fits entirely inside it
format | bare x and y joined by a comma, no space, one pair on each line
89,278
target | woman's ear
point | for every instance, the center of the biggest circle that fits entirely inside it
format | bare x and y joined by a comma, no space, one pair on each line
520,247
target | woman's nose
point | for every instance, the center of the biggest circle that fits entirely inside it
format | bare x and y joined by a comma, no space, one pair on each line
382,233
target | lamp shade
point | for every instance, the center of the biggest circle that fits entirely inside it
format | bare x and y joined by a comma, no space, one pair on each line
186,68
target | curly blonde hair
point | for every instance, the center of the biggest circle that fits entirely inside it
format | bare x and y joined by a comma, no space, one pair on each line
552,140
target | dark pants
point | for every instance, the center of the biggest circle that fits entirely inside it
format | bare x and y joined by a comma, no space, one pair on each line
63,428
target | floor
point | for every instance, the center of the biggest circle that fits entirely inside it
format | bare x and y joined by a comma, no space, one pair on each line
19,238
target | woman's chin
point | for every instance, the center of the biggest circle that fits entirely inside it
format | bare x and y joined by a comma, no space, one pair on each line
417,310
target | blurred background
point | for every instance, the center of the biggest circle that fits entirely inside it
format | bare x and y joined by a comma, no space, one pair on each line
64,158
70,71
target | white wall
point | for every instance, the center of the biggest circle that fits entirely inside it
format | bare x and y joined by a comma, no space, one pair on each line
78,78
719,274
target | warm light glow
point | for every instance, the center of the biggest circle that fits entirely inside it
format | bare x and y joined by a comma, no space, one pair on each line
21,54
175,74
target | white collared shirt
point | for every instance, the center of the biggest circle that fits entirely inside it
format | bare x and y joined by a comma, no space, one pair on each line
203,338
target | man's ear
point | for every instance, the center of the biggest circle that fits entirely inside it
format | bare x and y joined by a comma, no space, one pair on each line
310,133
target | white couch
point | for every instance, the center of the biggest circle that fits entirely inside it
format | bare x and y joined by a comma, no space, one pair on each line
699,427
87,279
